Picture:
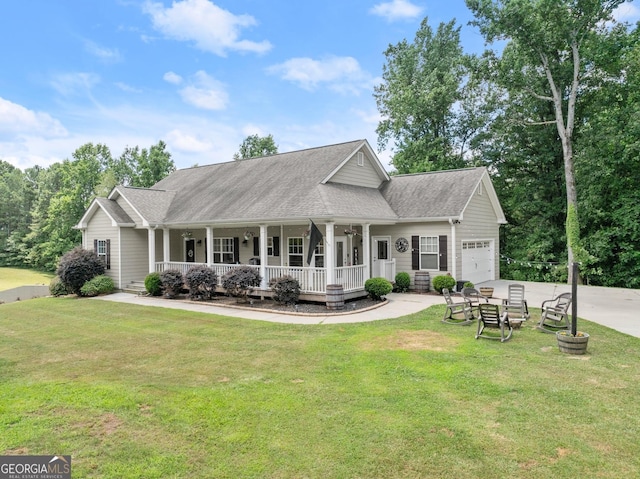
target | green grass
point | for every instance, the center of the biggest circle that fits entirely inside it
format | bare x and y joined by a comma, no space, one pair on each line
14,277
149,392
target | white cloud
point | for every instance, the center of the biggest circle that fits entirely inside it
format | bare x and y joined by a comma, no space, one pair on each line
342,74
16,119
127,88
173,78
210,27
106,54
397,10
205,92
187,142
627,12
69,84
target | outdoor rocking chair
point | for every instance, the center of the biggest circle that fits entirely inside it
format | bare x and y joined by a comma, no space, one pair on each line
474,298
516,301
555,314
490,317
454,309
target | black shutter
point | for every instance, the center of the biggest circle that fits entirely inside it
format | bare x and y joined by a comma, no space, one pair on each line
442,246
415,252
108,256
256,246
236,249
95,246
276,246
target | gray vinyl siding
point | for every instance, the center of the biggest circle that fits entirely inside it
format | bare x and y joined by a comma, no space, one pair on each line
352,174
100,227
479,223
135,255
407,230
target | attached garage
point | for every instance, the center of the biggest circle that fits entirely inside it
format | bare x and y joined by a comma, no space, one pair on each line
478,261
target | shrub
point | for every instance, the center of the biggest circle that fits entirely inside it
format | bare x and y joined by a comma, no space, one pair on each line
377,288
78,266
172,282
153,284
467,284
201,281
443,281
403,282
286,290
240,281
99,285
57,287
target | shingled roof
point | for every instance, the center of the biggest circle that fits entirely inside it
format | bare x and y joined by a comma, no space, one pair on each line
296,186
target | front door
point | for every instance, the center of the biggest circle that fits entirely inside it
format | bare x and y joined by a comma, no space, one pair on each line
190,250
379,255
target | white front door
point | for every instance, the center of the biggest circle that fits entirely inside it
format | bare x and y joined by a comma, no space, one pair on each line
379,255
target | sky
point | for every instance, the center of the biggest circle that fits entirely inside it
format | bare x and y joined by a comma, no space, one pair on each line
201,75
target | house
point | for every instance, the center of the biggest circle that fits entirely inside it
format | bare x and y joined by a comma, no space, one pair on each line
258,212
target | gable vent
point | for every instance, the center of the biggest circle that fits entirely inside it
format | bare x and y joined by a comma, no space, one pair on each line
360,158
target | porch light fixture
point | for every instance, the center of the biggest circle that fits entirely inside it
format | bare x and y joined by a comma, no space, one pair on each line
187,234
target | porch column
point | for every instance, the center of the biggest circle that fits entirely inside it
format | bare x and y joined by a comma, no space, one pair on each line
151,239
166,245
329,253
366,251
209,245
263,256
453,248
284,246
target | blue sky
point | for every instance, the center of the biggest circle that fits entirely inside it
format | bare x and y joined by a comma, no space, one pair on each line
200,75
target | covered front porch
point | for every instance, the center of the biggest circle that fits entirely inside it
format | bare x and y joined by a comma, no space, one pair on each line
342,258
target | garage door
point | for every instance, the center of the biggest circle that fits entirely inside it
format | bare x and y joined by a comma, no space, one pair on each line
477,261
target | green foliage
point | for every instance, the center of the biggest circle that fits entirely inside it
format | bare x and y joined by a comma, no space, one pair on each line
172,282
468,284
443,281
153,284
403,282
240,281
201,281
78,266
377,288
99,285
286,290
57,287
255,146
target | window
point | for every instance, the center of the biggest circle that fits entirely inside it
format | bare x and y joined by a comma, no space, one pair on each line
223,250
428,252
319,255
360,158
270,246
103,249
296,252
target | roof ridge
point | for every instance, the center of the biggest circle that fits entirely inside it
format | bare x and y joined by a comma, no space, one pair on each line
468,168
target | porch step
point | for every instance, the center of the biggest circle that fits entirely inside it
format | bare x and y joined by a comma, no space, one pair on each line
135,287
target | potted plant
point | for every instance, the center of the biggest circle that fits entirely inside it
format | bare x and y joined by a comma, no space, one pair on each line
573,341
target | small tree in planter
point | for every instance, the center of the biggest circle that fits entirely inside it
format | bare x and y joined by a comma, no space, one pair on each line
286,290
241,281
172,282
201,281
574,341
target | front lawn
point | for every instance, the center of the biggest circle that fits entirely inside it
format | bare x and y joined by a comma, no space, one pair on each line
133,392
14,277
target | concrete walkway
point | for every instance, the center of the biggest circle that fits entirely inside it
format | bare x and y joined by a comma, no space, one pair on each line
615,308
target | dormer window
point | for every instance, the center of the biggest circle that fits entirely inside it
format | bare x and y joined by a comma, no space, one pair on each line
360,158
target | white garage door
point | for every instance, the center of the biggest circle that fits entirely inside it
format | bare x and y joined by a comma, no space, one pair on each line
477,261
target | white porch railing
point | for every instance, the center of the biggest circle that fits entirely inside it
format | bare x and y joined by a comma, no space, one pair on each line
312,280
388,270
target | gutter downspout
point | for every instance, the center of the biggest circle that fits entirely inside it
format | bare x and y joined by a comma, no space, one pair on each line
453,247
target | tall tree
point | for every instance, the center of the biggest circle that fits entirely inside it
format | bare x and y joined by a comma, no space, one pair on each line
421,85
254,146
546,38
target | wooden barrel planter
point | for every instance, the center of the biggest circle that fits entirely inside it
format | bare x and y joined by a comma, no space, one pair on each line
572,345
422,281
335,296
486,291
